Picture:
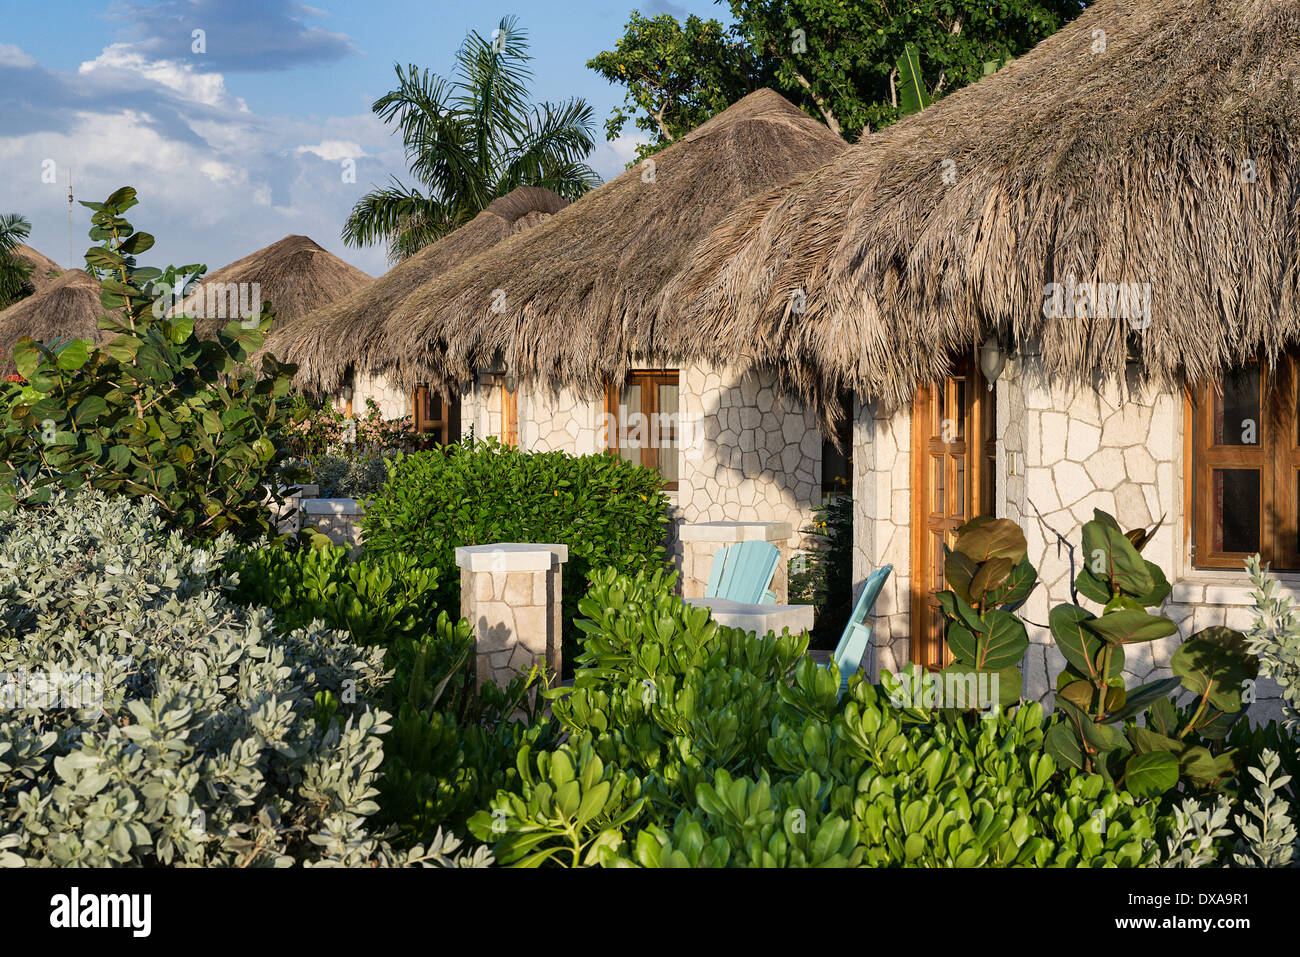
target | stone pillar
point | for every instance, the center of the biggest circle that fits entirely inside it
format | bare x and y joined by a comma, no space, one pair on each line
510,594
700,541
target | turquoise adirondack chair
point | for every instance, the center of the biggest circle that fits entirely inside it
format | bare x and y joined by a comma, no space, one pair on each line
743,572
853,643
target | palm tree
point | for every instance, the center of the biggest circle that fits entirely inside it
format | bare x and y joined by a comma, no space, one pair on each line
470,140
14,228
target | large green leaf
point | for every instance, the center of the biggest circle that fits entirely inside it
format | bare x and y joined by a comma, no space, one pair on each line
999,538
1077,643
1062,743
1004,644
1215,663
993,574
912,94
1127,627
1141,697
1112,557
1150,774
958,570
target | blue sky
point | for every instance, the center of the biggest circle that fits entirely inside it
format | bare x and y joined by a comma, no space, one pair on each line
244,144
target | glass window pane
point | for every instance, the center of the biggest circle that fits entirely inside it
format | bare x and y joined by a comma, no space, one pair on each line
936,548
937,505
958,414
1235,506
1236,411
959,486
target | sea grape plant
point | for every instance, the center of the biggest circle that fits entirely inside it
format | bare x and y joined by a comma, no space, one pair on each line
154,412
989,576
1100,731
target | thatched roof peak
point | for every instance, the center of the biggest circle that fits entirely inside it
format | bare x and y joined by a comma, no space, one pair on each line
326,344
67,308
295,275
574,299
1145,142
44,270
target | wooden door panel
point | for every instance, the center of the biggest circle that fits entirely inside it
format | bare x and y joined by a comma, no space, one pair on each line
952,439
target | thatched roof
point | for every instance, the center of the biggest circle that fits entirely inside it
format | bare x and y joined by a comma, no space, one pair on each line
578,293
1128,165
44,270
326,344
68,308
294,275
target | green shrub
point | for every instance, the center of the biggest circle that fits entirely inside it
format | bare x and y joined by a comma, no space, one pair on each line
155,412
607,511
691,744
451,746
200,738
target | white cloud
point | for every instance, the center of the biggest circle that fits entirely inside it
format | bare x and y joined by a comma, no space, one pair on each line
181,78
332,151
610,159
11,55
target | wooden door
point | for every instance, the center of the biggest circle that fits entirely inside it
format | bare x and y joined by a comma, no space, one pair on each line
953,455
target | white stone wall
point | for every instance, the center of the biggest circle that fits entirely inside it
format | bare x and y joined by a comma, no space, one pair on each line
394,403
751,455
480,408
882,463
560,420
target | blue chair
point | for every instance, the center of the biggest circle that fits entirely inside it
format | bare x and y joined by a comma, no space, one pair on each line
743,572
857,633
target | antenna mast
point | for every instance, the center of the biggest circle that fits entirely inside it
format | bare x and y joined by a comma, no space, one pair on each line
72,259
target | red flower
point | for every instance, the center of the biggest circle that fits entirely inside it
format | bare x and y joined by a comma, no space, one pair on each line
15,377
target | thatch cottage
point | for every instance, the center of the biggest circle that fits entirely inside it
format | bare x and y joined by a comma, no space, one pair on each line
331,345
294,275
551,334
66,307
1116,213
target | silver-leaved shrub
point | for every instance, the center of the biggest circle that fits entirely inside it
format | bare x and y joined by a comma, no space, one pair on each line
146,719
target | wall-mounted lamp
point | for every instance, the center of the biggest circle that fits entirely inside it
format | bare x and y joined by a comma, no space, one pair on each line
510,383
993,359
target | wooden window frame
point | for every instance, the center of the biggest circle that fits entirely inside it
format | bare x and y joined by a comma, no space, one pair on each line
649,406
445,426
1276,456
509,415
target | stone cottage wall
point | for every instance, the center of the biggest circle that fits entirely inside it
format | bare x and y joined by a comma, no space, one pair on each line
750,455
480,408
394,403
1063,449
882,475
560,420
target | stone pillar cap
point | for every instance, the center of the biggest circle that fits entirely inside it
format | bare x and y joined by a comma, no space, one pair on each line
735,531
511,557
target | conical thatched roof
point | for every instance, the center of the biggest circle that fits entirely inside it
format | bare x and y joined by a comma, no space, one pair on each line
68,308
1167,156
328,342
44,270
294,275
581,290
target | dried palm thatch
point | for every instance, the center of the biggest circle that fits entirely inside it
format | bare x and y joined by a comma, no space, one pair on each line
1146,142
326,344
68,308
44,270
573,301
294,275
